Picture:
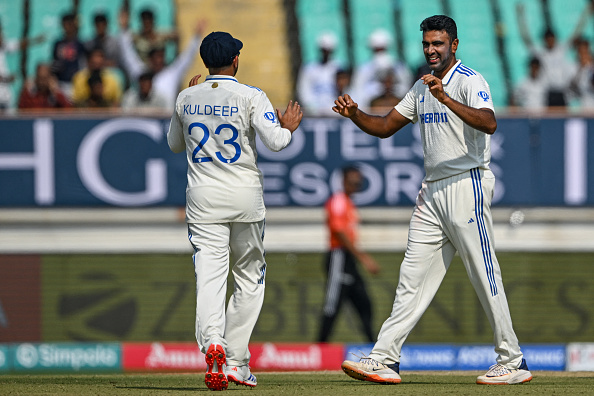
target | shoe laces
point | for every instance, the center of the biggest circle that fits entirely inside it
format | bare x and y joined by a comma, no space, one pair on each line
497,370
364,359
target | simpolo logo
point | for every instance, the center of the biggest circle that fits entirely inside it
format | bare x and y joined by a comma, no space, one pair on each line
27,356
54,356
105,307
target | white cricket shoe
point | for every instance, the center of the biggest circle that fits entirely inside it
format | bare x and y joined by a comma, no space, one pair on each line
368,369
501,375
241,375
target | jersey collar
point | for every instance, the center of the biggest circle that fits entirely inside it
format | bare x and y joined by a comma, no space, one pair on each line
217,77
446,79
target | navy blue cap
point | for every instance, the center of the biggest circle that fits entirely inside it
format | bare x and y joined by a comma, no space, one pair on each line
219,48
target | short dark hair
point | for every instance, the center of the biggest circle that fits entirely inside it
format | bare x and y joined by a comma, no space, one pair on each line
69,17
147,14
440,22
534,61
148,76
350,168
100,17
155,49
549,33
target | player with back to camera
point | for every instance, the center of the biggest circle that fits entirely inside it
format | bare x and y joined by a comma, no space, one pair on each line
216,123
452,211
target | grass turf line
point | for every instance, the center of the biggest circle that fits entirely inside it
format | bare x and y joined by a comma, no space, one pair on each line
312,383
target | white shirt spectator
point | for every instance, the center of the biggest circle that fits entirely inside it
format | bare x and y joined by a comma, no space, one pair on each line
166,81
5,85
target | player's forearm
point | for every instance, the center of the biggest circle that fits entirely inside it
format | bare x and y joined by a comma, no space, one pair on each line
480,119
372,125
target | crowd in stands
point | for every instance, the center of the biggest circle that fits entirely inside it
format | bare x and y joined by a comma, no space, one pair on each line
127,70
552,79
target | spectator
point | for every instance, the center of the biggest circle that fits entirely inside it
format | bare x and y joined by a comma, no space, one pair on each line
149,38
556,69
366,85
6,77
112,91
316,84
387,98
581,84
96,97
167,77
44,93
343,81
531,92
68,54
144,97
109,44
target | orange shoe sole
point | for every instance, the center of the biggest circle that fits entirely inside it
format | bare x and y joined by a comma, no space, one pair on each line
215,380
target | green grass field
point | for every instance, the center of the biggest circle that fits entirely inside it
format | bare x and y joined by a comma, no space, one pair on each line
318,383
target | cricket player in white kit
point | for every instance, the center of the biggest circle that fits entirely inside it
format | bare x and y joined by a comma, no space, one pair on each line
454,108
216,123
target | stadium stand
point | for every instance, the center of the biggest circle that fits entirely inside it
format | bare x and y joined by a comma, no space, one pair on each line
87,10
478,50
45,17
367,16
12,28
316,17
564,16
264,60
412,14
515,49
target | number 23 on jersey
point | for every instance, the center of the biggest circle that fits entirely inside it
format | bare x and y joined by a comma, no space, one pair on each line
196,158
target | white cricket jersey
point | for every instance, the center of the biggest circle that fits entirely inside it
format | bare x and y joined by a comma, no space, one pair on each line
216,123
450,146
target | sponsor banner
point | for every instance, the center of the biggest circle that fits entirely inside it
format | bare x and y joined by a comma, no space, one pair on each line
67,357
297,357
413,356
4,359
89,162
468,357
162,357
545,357
580,356
187,357
475,357
428,357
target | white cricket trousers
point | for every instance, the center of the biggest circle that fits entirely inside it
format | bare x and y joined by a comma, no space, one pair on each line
452,214
214,244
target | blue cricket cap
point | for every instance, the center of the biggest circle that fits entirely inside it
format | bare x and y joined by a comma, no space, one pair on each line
219,48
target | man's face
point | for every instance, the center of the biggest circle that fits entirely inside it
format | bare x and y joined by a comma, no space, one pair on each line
439,51
157,60
352,182
42,80
96,60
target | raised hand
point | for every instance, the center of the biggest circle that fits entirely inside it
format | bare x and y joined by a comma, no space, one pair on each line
345,106
194,80
435,86
292,117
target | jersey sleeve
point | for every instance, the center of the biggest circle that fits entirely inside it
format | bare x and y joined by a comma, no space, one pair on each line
478,93
408,106
175,135
265,123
